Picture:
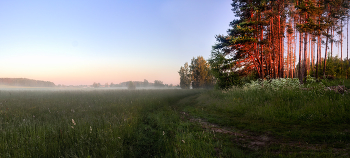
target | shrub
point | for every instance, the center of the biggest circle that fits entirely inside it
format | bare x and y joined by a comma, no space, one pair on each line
131,85
274,84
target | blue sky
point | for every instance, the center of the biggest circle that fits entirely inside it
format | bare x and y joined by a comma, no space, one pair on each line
84,41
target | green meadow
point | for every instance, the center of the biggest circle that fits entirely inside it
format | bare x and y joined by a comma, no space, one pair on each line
174,123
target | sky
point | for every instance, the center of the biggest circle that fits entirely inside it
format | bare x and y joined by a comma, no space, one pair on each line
78,42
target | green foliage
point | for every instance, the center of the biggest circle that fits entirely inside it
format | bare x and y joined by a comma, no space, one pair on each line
336,69
200,73
145,83
274,84
131,85
309,116
310,80
96,85
158,83
185,77
254,41
221,68
227,80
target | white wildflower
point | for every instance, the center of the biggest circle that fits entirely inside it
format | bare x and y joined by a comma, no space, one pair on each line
90,129
183,141
73,122
72,126
163,132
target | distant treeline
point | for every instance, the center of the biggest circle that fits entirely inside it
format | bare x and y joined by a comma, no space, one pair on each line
145,83
25,82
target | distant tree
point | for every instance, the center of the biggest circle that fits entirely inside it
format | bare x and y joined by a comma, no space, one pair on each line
106,84
131,85
96,85
145,83
158,83
200,73
185,76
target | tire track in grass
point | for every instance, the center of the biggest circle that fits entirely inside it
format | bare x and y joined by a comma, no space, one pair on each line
226,147
261,141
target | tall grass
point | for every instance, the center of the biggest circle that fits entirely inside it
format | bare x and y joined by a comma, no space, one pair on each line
149,123
116,123
314,116
106,123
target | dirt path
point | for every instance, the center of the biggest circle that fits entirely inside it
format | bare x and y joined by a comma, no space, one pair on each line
254,141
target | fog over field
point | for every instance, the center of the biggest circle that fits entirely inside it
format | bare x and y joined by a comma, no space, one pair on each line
16,88
174,78
80,42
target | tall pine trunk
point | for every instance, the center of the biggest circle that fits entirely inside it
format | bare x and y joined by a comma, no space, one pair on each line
325,55
300,74
317,60
261,54
305,55
341,46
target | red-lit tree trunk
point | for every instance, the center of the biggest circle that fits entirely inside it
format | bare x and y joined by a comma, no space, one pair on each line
325,55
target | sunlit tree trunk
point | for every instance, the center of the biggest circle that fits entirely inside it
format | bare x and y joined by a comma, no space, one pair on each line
341,46
317,60
305,55
299,69
261,54
325,55
332,42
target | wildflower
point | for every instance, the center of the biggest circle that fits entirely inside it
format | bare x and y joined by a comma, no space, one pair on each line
183,141
118,137
163,132
33,116
90,129
72,126
24,119
73,122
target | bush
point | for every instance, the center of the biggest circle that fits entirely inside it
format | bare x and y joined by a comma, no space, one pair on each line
274,84
131,85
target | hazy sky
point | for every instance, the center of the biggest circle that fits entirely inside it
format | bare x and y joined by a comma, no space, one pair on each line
77,42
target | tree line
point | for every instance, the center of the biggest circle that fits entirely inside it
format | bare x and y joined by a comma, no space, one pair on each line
268,36
134,84
25,82
276,39
196,75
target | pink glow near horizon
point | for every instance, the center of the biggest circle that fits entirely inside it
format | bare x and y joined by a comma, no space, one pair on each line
80,42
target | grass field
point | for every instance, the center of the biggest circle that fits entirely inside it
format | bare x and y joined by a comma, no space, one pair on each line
294,122
117,123
174,123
